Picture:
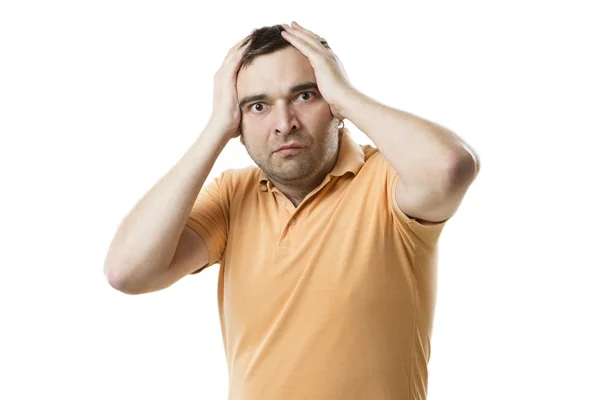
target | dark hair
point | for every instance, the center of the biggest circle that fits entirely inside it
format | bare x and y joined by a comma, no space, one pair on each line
265,40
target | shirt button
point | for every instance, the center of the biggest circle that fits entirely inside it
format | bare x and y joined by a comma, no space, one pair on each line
293,222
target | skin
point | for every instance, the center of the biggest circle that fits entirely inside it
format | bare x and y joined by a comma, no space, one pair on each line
303,117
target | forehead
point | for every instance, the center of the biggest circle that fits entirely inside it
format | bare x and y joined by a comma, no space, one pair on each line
275,73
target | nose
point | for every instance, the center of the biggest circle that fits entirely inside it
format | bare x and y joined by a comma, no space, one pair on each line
286,120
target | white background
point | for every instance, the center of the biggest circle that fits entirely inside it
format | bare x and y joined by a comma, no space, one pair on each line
99,99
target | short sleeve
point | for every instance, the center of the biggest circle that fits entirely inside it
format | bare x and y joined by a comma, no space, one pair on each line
209,218
424,234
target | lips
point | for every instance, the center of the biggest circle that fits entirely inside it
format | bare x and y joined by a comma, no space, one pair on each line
291,146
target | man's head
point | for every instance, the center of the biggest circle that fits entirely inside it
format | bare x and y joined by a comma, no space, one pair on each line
281,105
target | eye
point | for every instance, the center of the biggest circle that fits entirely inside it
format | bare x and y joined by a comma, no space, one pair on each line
256,104
308,97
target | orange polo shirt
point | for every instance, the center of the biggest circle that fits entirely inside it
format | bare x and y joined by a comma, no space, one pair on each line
331,300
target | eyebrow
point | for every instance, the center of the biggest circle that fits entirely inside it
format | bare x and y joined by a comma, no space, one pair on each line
293,89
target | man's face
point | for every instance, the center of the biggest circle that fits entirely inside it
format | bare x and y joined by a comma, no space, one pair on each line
285,117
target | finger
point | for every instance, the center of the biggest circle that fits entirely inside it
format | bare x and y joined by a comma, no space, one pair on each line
305,47
242,43
318,40
297,26
236,53
247,40
301,35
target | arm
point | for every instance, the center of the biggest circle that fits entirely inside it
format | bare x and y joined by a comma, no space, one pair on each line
147,239
435,166
141,255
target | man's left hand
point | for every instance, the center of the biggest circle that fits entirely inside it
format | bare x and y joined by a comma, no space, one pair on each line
331,77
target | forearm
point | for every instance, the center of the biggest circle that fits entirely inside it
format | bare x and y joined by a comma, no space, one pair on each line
423,153
148,237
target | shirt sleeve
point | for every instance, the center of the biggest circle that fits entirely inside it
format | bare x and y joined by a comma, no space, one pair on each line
422,234
209,218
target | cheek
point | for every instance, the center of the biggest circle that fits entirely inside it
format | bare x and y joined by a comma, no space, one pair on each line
253,140
253,124
317,116
324,112
325,119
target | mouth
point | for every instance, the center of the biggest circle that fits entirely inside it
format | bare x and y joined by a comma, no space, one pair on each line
289,150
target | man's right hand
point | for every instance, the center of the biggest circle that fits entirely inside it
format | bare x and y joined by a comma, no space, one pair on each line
226,114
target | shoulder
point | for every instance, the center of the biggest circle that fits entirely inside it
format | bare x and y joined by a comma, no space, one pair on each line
236,182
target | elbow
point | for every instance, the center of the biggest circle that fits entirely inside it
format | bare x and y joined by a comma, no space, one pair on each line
464,168
113,280
116,281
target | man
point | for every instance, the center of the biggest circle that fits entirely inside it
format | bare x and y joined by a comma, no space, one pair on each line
328,250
